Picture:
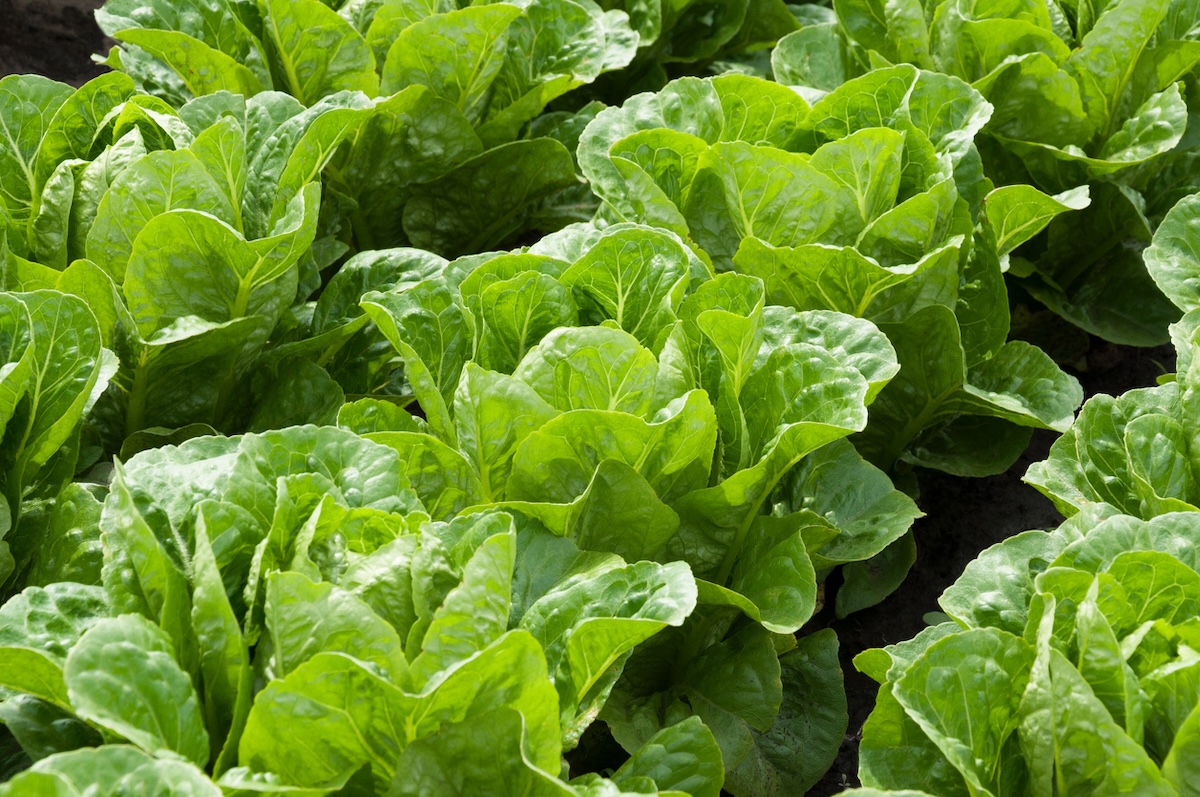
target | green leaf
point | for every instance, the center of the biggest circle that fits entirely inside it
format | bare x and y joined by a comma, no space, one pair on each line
1090,463
305,393
390,17
473,615
633,276
850,340
128,654
76,126
589,622
815,56
964,692
50,621
822,277
318,703
895,752
203,69
807,733
315,52
387,269
518,312
1179,768
70,550
1016,213
461,211
74,772
867,163
867,582
739,191
555,464
774,571
28,104
43,729
1105,62
1157,587
351,732
64,366
186,263
493,415
1059,709
442,477
1153,129
304,619
212,23
290,146
413,137
140,575
759,111
857,498
553,46
430,329
159,182
1043,396
893,28
1103,666
1172,259
224,656
683,757
458,55
1004,573
592,368
687,105
447,762
169,779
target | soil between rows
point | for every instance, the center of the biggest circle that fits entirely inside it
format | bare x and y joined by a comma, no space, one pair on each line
56,38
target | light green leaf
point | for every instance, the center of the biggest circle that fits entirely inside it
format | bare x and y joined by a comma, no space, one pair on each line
430,329
304,619
458,55
316,52
124,655
493,415
447,762
1173,259
473,615
203,69
1016,213
633,276
964,692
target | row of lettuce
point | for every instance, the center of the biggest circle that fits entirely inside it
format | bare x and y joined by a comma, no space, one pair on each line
237,563
1068,661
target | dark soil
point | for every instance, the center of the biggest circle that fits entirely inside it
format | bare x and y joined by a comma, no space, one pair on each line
963,516
55,38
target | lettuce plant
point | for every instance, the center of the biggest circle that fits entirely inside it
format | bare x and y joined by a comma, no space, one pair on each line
1083,94
859,204
688,454
54,369
195,235
453,91
500,64
189,235
260,595
1067,665
1136,452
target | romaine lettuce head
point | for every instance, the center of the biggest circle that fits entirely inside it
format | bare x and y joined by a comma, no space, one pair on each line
1069,662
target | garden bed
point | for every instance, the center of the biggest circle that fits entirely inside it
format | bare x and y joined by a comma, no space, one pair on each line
963,516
